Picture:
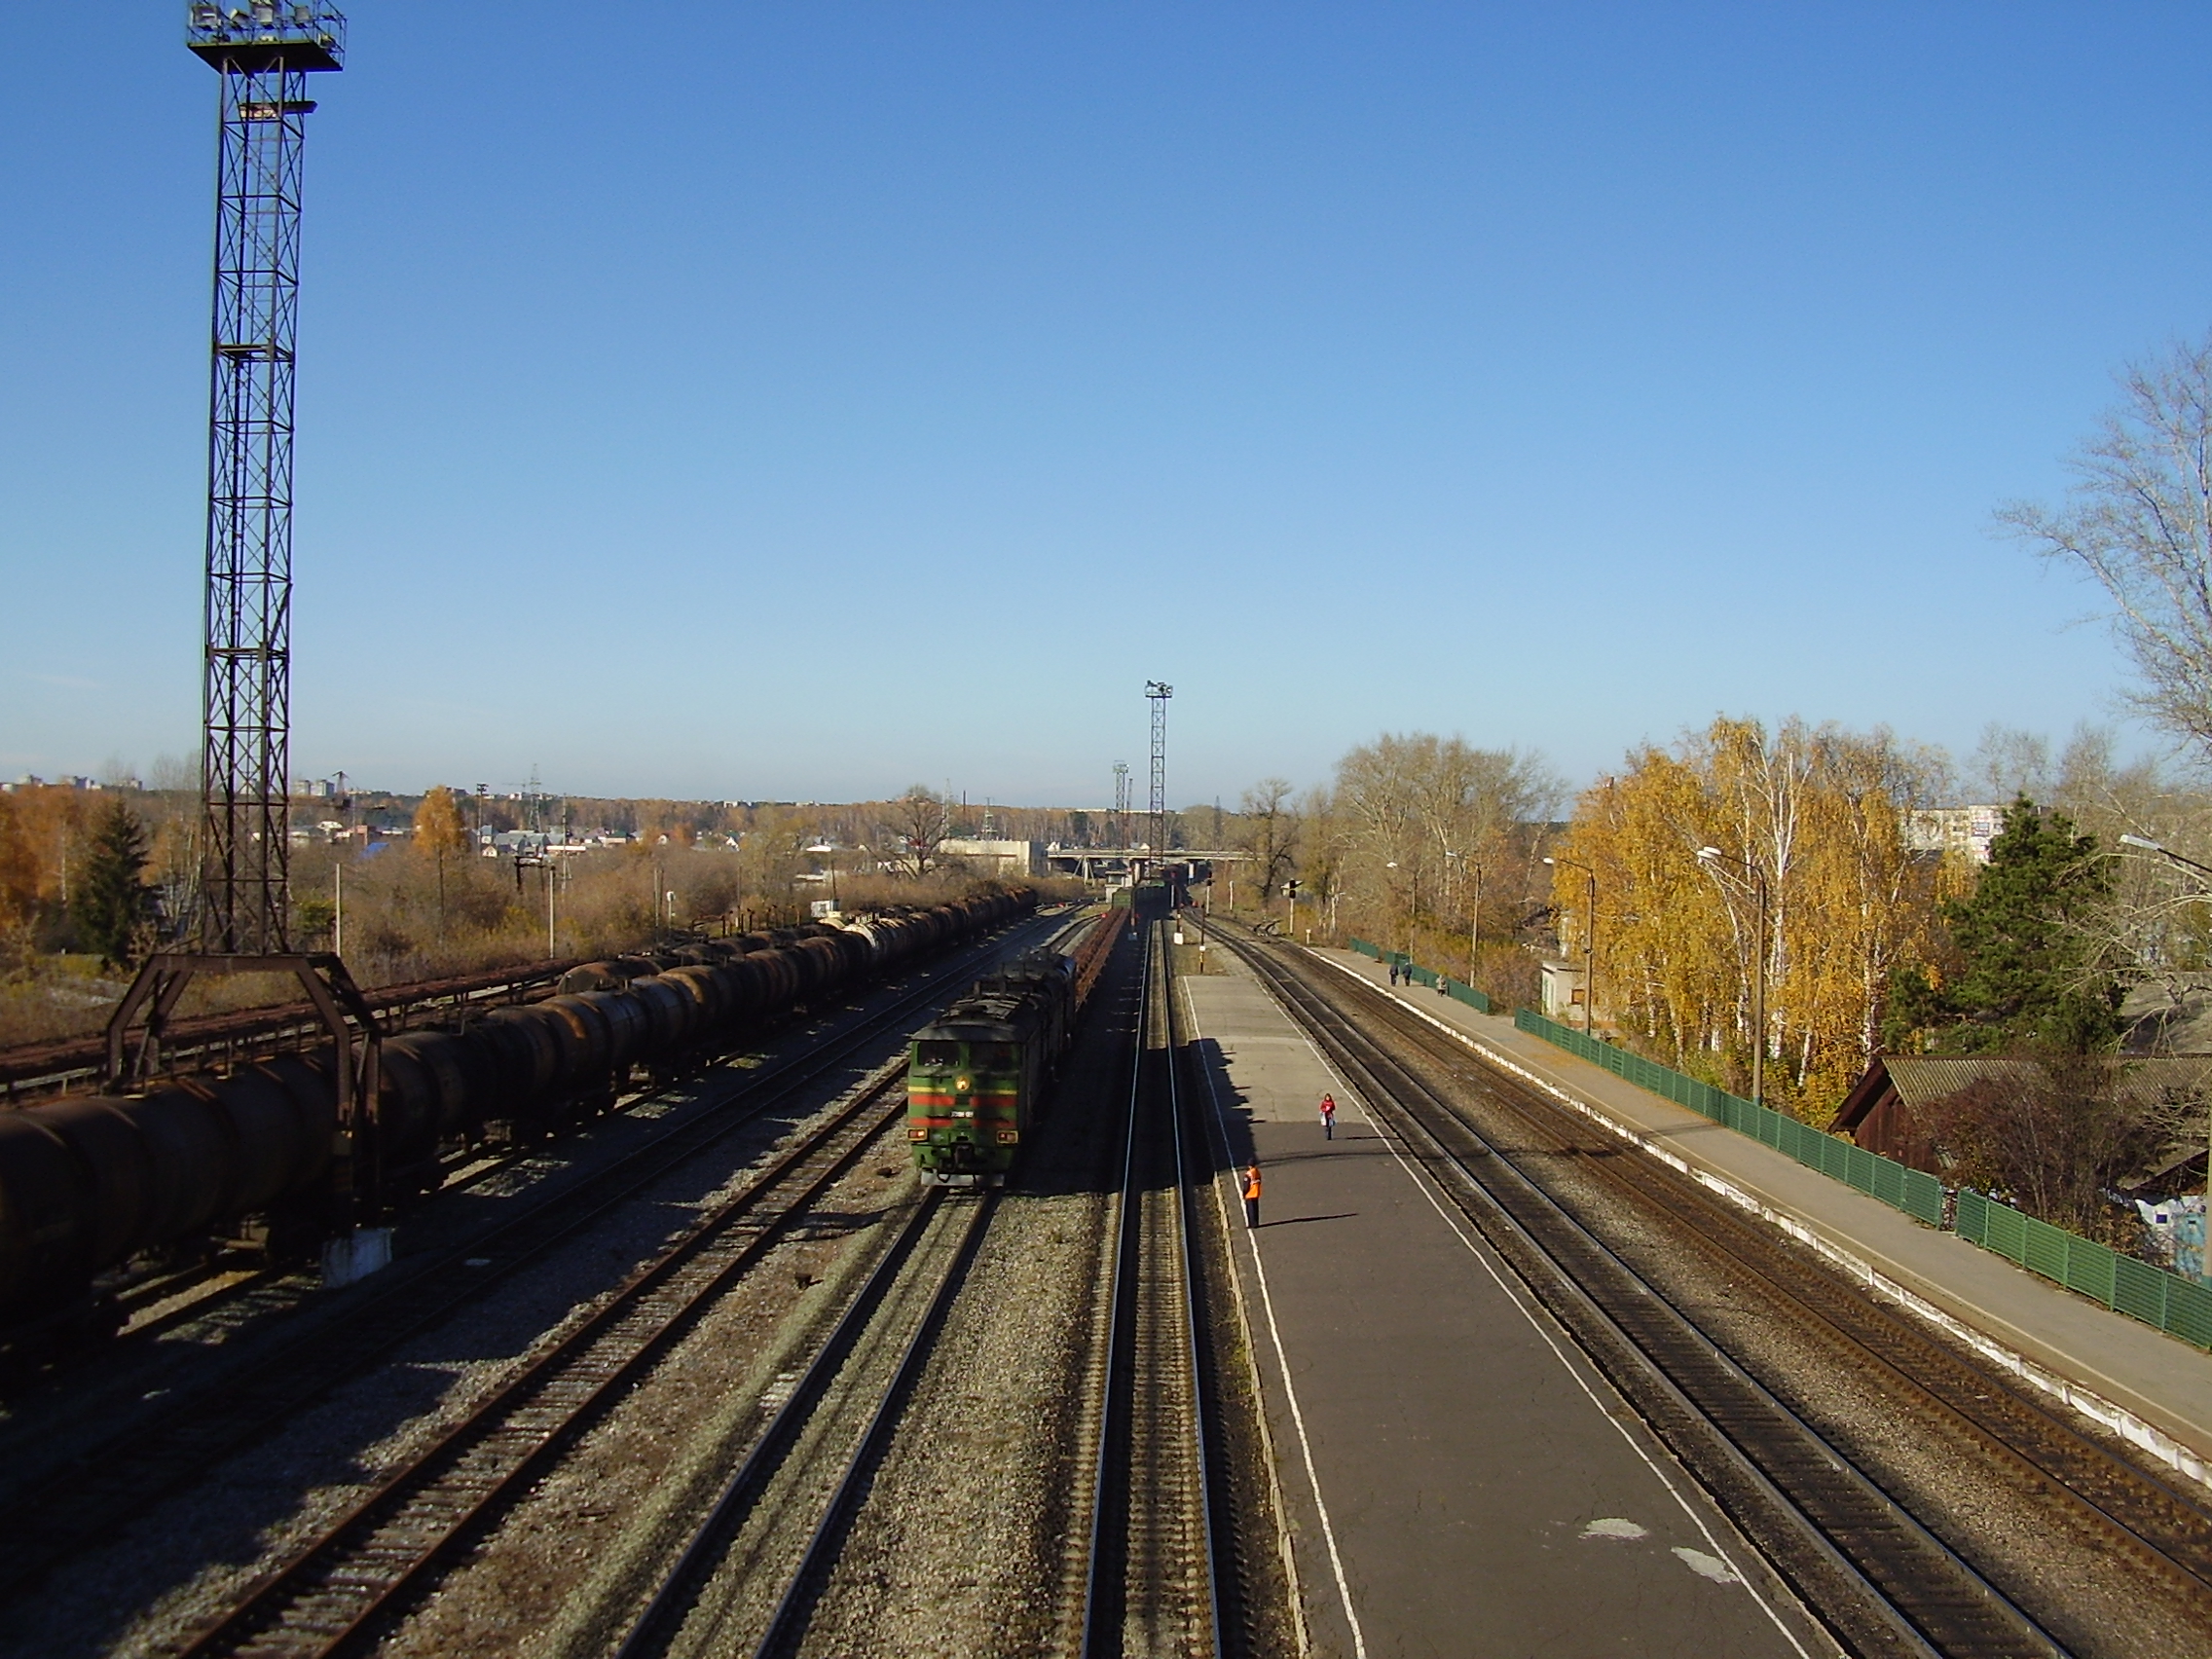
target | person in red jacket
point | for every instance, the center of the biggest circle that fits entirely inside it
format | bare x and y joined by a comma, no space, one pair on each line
1251,1195
1328,1116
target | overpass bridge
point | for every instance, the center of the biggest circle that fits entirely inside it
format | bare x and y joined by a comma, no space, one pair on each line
1120,864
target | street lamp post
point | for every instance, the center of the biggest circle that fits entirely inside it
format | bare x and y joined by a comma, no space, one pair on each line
1714,855
1474,913
2170,855
1589,943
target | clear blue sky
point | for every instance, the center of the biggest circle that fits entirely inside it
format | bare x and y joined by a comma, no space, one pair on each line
801,400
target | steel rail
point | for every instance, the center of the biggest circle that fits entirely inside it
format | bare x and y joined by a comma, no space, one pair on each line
1103,1589
1912,1592
658,1623
1192,1335
787,1626
1151,1482
2152,1520
113,1482
391,1539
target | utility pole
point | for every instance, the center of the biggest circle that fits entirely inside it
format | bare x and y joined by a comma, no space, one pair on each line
1159,691
1121,803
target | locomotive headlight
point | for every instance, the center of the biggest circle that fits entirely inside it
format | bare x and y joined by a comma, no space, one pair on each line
962,1085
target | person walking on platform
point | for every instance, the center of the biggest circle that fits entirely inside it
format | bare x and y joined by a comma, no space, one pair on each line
1328,1116
1394,973
1251,1195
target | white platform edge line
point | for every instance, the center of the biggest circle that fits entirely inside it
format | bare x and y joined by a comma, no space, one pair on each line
1283,1362
1284,1545
1575,1364
2107,1414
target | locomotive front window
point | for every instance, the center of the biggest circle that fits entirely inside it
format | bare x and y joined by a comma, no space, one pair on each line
937,1052
997,1056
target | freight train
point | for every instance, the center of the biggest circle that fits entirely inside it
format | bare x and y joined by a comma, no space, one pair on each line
976,1077
89,1184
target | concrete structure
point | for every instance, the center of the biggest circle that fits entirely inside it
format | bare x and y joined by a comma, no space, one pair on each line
1113,864
1561,984
995,857
1963,829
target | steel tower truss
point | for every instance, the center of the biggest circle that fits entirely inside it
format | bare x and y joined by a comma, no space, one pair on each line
264,53
1159,691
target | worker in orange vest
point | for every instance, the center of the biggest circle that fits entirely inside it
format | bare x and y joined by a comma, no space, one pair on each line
1251,1195
1328,1116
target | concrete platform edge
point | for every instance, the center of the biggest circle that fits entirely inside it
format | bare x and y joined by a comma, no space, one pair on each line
1230,1228
2138,1430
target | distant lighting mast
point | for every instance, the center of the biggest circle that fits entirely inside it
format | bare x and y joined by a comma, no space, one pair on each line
1159,691
264,53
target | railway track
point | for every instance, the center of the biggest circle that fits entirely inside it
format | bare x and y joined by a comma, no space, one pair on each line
749,1577
2164,1532
1881,1579
392,1542
1152,1580
188,1433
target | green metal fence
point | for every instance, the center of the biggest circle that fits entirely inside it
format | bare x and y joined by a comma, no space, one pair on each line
1420,976
2180,1307
1913,1191
1468,994
2177,1306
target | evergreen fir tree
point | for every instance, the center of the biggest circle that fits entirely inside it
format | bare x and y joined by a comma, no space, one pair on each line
112,901
2031,974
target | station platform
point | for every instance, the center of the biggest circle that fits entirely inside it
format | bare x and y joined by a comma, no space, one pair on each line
2136,1381
1456,1477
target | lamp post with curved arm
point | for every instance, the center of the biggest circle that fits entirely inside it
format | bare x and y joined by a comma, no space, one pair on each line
1714,855
1589,943
1474,912
2202,870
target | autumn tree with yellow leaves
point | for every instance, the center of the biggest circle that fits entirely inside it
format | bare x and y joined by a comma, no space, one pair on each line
1818,814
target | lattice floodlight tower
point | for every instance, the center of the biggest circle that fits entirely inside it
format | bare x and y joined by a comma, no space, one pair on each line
1159,691
264,51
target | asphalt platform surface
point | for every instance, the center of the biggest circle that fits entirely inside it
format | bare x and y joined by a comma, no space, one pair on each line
1458,1479
2101,1361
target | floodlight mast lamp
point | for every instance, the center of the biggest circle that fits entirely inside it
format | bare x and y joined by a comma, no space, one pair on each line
1159,691
264,52
1714,855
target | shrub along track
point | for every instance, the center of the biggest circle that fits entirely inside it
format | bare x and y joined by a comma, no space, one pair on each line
154,1450
1613,1244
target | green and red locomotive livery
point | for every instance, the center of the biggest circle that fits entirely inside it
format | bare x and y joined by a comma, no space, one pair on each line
976,1078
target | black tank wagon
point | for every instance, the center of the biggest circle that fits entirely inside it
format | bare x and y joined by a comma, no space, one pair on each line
89,1184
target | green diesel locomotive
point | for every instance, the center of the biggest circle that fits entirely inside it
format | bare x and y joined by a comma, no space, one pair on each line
977,1079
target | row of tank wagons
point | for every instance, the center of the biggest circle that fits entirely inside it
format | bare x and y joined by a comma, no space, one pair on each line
88,1185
